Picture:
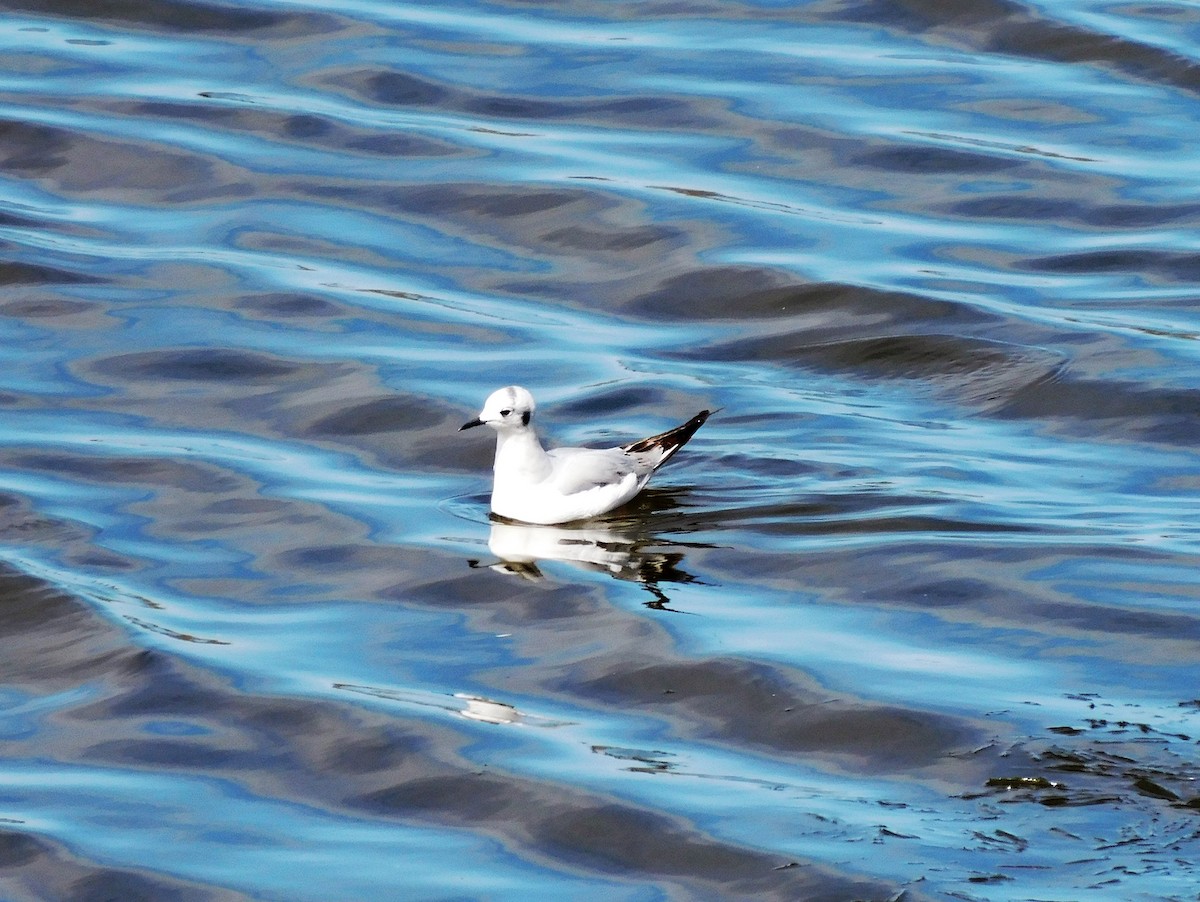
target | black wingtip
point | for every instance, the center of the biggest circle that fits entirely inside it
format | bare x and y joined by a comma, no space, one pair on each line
671,440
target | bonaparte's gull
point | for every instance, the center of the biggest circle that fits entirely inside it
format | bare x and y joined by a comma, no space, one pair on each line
538,486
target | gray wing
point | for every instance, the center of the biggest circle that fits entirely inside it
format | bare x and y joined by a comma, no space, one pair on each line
581,469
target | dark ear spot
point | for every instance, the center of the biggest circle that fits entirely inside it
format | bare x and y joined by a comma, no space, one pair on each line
525,418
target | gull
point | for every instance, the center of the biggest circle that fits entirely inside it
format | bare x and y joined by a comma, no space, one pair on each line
545,487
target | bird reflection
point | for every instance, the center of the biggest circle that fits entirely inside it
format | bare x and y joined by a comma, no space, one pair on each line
620,549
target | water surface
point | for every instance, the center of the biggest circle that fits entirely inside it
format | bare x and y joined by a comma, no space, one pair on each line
915,613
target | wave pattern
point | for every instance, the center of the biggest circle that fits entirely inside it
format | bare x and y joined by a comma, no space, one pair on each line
915,613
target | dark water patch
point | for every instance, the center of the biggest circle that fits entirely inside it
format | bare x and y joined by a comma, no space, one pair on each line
229,517
1071,616
957,368
30,149
338,558
751,203
775,521
394,145
755,704
285,241
926,15
1059,42
8,218
37,868
949,592
1137,216
398,431
615,239
87,164
854,513
1036,206
1025,207
255,117
657,113
122,469
494,202
13,273
186,753
1110,409
49,308
23,526
968,369
588,248
1156,265
933,170
348,565
210,364
1012,28
618,839
606,399
489,215
189,16
778,466
405,89
375,749
51,641
391,88
248,506
614,838
473,798
730,293
826,309
289,306
413,314
930,160
387,414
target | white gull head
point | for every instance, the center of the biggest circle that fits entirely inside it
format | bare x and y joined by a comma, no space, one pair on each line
510,407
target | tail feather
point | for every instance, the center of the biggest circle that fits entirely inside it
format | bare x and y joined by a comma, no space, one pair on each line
668,442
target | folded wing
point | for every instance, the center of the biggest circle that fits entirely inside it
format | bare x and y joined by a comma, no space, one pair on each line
583,469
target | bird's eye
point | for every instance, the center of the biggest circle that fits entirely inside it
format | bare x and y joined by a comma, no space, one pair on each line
505,413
